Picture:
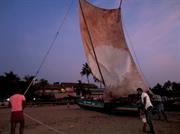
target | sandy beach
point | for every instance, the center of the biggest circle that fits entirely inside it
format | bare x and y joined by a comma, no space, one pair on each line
75,120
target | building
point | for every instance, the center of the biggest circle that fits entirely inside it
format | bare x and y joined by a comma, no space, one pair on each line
61,91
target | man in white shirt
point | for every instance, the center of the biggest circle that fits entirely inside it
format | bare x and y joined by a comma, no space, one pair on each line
17,103
148,108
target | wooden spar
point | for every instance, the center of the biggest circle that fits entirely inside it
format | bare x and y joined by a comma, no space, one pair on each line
91,42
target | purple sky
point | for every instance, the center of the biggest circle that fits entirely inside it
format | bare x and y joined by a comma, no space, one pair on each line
27,28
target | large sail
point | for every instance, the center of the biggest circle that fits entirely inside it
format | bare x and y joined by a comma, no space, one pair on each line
105,46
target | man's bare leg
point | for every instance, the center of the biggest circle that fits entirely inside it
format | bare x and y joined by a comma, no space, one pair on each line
21,127
13,127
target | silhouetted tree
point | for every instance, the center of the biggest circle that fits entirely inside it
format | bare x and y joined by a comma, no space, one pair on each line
167,85
176,89
3,92
28,78
9,82
157,89
169,89
86,70
13,82
175,86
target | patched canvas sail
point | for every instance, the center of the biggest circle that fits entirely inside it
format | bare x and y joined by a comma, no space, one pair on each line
102,30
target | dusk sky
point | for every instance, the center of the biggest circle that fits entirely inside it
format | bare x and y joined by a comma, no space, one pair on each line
27,27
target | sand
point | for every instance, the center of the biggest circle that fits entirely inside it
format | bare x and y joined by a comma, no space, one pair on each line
75,120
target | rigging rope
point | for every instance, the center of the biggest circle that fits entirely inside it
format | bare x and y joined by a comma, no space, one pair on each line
43,124
50,47
40,66
120,3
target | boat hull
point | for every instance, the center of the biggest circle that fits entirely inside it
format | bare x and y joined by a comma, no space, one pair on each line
106,107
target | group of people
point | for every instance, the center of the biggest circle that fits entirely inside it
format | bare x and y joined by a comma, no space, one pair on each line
146,109
17,103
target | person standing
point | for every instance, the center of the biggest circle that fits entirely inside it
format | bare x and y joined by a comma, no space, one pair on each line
79,88
17,104
158,102
148,108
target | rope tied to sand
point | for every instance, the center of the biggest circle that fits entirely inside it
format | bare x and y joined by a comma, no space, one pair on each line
43,124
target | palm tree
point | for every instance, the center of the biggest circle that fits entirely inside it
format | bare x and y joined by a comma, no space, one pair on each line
11,77
86,70
28,78
167,85
3,90
10,83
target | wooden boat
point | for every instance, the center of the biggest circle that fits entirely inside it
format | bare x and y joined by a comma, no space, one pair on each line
109,58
